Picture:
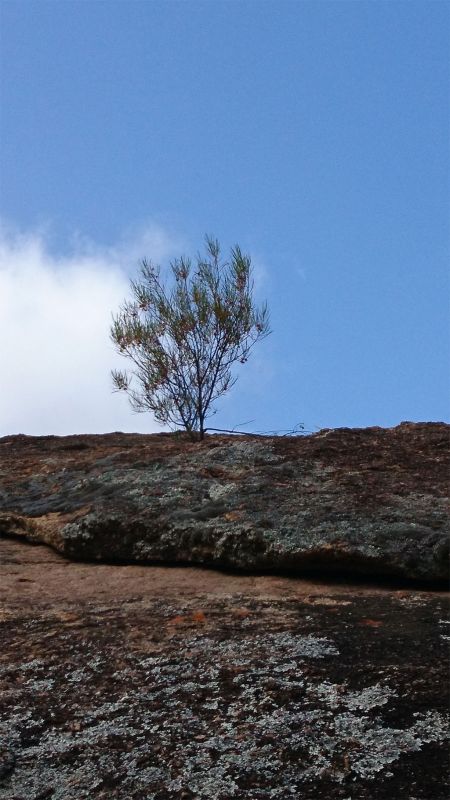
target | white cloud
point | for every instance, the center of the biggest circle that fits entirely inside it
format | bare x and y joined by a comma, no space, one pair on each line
55,313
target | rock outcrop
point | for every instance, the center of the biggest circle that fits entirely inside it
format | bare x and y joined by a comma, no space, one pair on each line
154,683
361,502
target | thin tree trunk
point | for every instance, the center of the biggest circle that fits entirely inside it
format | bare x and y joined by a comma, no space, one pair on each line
201,419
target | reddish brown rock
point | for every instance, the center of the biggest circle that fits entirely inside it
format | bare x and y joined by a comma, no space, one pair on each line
154,683
361,502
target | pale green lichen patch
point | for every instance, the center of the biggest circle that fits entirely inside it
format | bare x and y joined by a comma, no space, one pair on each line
229,698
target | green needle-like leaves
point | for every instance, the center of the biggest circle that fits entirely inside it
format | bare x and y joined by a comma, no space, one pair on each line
183,340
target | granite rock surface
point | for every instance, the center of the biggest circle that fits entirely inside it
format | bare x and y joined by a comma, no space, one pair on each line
361,502
133,682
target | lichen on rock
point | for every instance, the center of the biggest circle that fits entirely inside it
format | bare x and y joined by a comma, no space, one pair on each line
364,502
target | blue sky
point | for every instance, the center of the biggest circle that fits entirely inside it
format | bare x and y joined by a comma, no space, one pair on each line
314,134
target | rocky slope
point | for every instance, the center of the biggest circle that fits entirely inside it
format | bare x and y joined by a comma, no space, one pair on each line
365,502
155,683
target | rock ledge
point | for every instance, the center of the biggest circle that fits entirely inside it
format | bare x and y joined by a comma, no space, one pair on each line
368,502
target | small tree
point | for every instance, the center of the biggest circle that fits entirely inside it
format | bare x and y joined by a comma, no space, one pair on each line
184,340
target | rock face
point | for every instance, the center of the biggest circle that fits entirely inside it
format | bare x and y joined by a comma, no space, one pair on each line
155,683
361,502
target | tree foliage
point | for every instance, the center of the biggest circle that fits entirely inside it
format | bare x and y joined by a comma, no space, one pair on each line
183,340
